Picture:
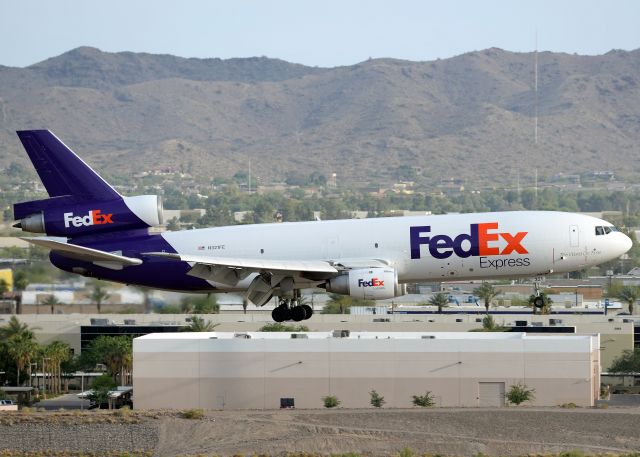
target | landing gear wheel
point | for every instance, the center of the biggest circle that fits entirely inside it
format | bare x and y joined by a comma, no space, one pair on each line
538,302
298,313
308,311
281,314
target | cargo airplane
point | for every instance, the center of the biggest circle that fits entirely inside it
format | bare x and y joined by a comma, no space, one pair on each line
93,230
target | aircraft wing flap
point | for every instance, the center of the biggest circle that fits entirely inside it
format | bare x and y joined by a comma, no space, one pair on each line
80,252
315,266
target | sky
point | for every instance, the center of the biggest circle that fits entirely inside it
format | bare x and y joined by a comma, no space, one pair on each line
324,33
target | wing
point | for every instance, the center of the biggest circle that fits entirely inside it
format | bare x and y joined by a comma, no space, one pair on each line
73,251
231,270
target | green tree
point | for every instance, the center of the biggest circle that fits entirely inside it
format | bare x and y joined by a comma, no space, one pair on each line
629,295
115,352
199,325
100,388
628,362
486,292
17,347
440,300
99,295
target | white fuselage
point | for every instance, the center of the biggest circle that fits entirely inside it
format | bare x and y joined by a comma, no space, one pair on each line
423,248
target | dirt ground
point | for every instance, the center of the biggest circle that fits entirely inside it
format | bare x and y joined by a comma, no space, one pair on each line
459,432
372,432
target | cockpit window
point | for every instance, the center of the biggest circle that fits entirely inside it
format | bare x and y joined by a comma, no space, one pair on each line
605,230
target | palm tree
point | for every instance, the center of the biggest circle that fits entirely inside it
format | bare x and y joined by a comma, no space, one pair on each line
98,295
58,352
20,283
21,349
486,292
199,325
51,301
15,328
20,343
629,295
440,300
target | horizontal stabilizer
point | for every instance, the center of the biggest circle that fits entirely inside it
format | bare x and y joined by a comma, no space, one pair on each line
315,266
74,251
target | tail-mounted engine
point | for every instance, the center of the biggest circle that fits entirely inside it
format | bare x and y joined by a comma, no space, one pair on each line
367,283
66,216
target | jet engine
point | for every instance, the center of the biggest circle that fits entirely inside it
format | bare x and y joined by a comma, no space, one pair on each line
65,216
367,283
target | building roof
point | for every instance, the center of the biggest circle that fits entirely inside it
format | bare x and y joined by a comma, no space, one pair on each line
325,335
495,342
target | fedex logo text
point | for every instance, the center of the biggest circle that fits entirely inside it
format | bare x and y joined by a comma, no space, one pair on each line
375,282
95,217
481,240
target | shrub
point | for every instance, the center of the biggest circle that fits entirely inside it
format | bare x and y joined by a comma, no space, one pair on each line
330,401
519,393
406,452
377,400
195,413
574,453
280,327
425,400
100,389
125,411
570,405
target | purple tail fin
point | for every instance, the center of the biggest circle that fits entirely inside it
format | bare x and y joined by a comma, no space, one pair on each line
62,172
80,202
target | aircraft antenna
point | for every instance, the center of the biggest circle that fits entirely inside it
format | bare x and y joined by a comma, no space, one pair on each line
535,91
536,188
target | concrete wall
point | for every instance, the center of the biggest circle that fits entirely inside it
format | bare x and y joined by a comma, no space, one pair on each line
174,372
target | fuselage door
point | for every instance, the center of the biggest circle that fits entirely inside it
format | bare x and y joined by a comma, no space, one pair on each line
574,237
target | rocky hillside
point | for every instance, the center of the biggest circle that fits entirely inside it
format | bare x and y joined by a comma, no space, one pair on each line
470,116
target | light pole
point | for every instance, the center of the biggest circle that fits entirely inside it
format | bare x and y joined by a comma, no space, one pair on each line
44,378
31,373
82,390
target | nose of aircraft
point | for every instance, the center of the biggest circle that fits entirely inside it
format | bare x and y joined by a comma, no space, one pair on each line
625,243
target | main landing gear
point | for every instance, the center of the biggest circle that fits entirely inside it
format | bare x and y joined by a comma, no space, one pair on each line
291,310
538,300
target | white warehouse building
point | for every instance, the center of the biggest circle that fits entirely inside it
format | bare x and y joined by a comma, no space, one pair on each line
256,370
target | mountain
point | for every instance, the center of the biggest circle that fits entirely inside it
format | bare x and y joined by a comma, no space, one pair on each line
470,116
